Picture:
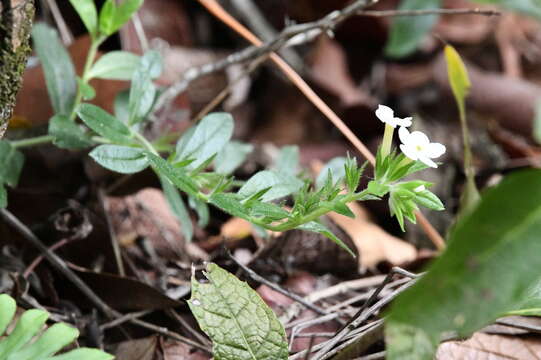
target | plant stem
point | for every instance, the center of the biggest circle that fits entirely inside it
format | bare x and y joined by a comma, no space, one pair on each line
39,140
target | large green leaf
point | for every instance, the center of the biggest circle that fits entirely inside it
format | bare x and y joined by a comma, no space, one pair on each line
67,134
104,123
233,315
88,14
208,138
408,31
57,67
11,163
122,159
116,65
280,185
487,270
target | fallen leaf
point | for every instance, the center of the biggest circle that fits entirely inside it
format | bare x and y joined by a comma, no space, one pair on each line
236,228
494,347
174,350
139,349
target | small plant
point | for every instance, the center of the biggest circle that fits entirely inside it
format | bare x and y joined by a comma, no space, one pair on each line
26,342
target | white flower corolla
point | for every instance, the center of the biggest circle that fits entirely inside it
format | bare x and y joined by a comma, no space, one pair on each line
417,146
386,115
419,188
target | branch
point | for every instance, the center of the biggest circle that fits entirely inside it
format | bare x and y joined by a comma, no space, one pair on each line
392,13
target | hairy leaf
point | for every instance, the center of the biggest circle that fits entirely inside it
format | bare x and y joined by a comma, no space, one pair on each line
233,315
143,91
408,31
502,233
231,157
177,176
208,138
104,123
116,65
57,67
122,159
67,134
280,185
288,161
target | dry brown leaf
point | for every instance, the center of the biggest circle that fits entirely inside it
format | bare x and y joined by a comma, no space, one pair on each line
494,347
236,228
174,350
374,244
140,349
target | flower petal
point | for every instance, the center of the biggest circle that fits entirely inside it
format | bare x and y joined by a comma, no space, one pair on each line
419,139
428,162
409,151
404,122
385,113
403,134
434,150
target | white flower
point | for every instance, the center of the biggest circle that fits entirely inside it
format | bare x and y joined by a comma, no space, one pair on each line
386,115
419,188
417,146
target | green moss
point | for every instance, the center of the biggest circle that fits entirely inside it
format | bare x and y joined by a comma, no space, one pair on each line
15,27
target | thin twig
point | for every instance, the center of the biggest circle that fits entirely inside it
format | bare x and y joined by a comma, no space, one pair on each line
278,288
423,12
124,318
203,340
114,239
327,23
63,29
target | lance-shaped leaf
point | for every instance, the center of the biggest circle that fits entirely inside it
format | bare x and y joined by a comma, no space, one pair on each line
485,271
113,16
104,123
122,159
178,207
280,185
143,91
68,134
57,67
233,315
116,65
88,14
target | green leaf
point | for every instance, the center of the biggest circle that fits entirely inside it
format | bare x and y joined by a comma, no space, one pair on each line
113,17
116,65
288,161
528,7
281,185
408,31
458,77
57,67
53,340
67,134
319,228
11,163
122,159
86,90
7,311
268,210
208,138
29,324
122,110
342,209
232,155
143,91
177,176
336,166
231,204
88,13
178,207
104,124
502,233
233,315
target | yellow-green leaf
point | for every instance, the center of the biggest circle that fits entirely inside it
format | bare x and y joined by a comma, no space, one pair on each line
458,77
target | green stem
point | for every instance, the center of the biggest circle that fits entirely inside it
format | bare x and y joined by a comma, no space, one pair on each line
39,140
91,56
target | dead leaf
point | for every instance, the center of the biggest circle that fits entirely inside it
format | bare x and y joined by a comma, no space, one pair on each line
174,350
494,347
140,349
236,228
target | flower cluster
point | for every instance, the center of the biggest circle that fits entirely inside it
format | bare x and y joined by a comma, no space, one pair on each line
415,145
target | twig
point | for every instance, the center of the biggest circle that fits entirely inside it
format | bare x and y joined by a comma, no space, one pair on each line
327,23
373,334
124,318
57,262
278,288
114,239
203,340
140,31
39,258
309,350
364,313
392,13
65,33
374,356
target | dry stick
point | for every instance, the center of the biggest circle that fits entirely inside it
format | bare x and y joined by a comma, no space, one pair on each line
220,13
65,33
63,268
114,239
278,288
